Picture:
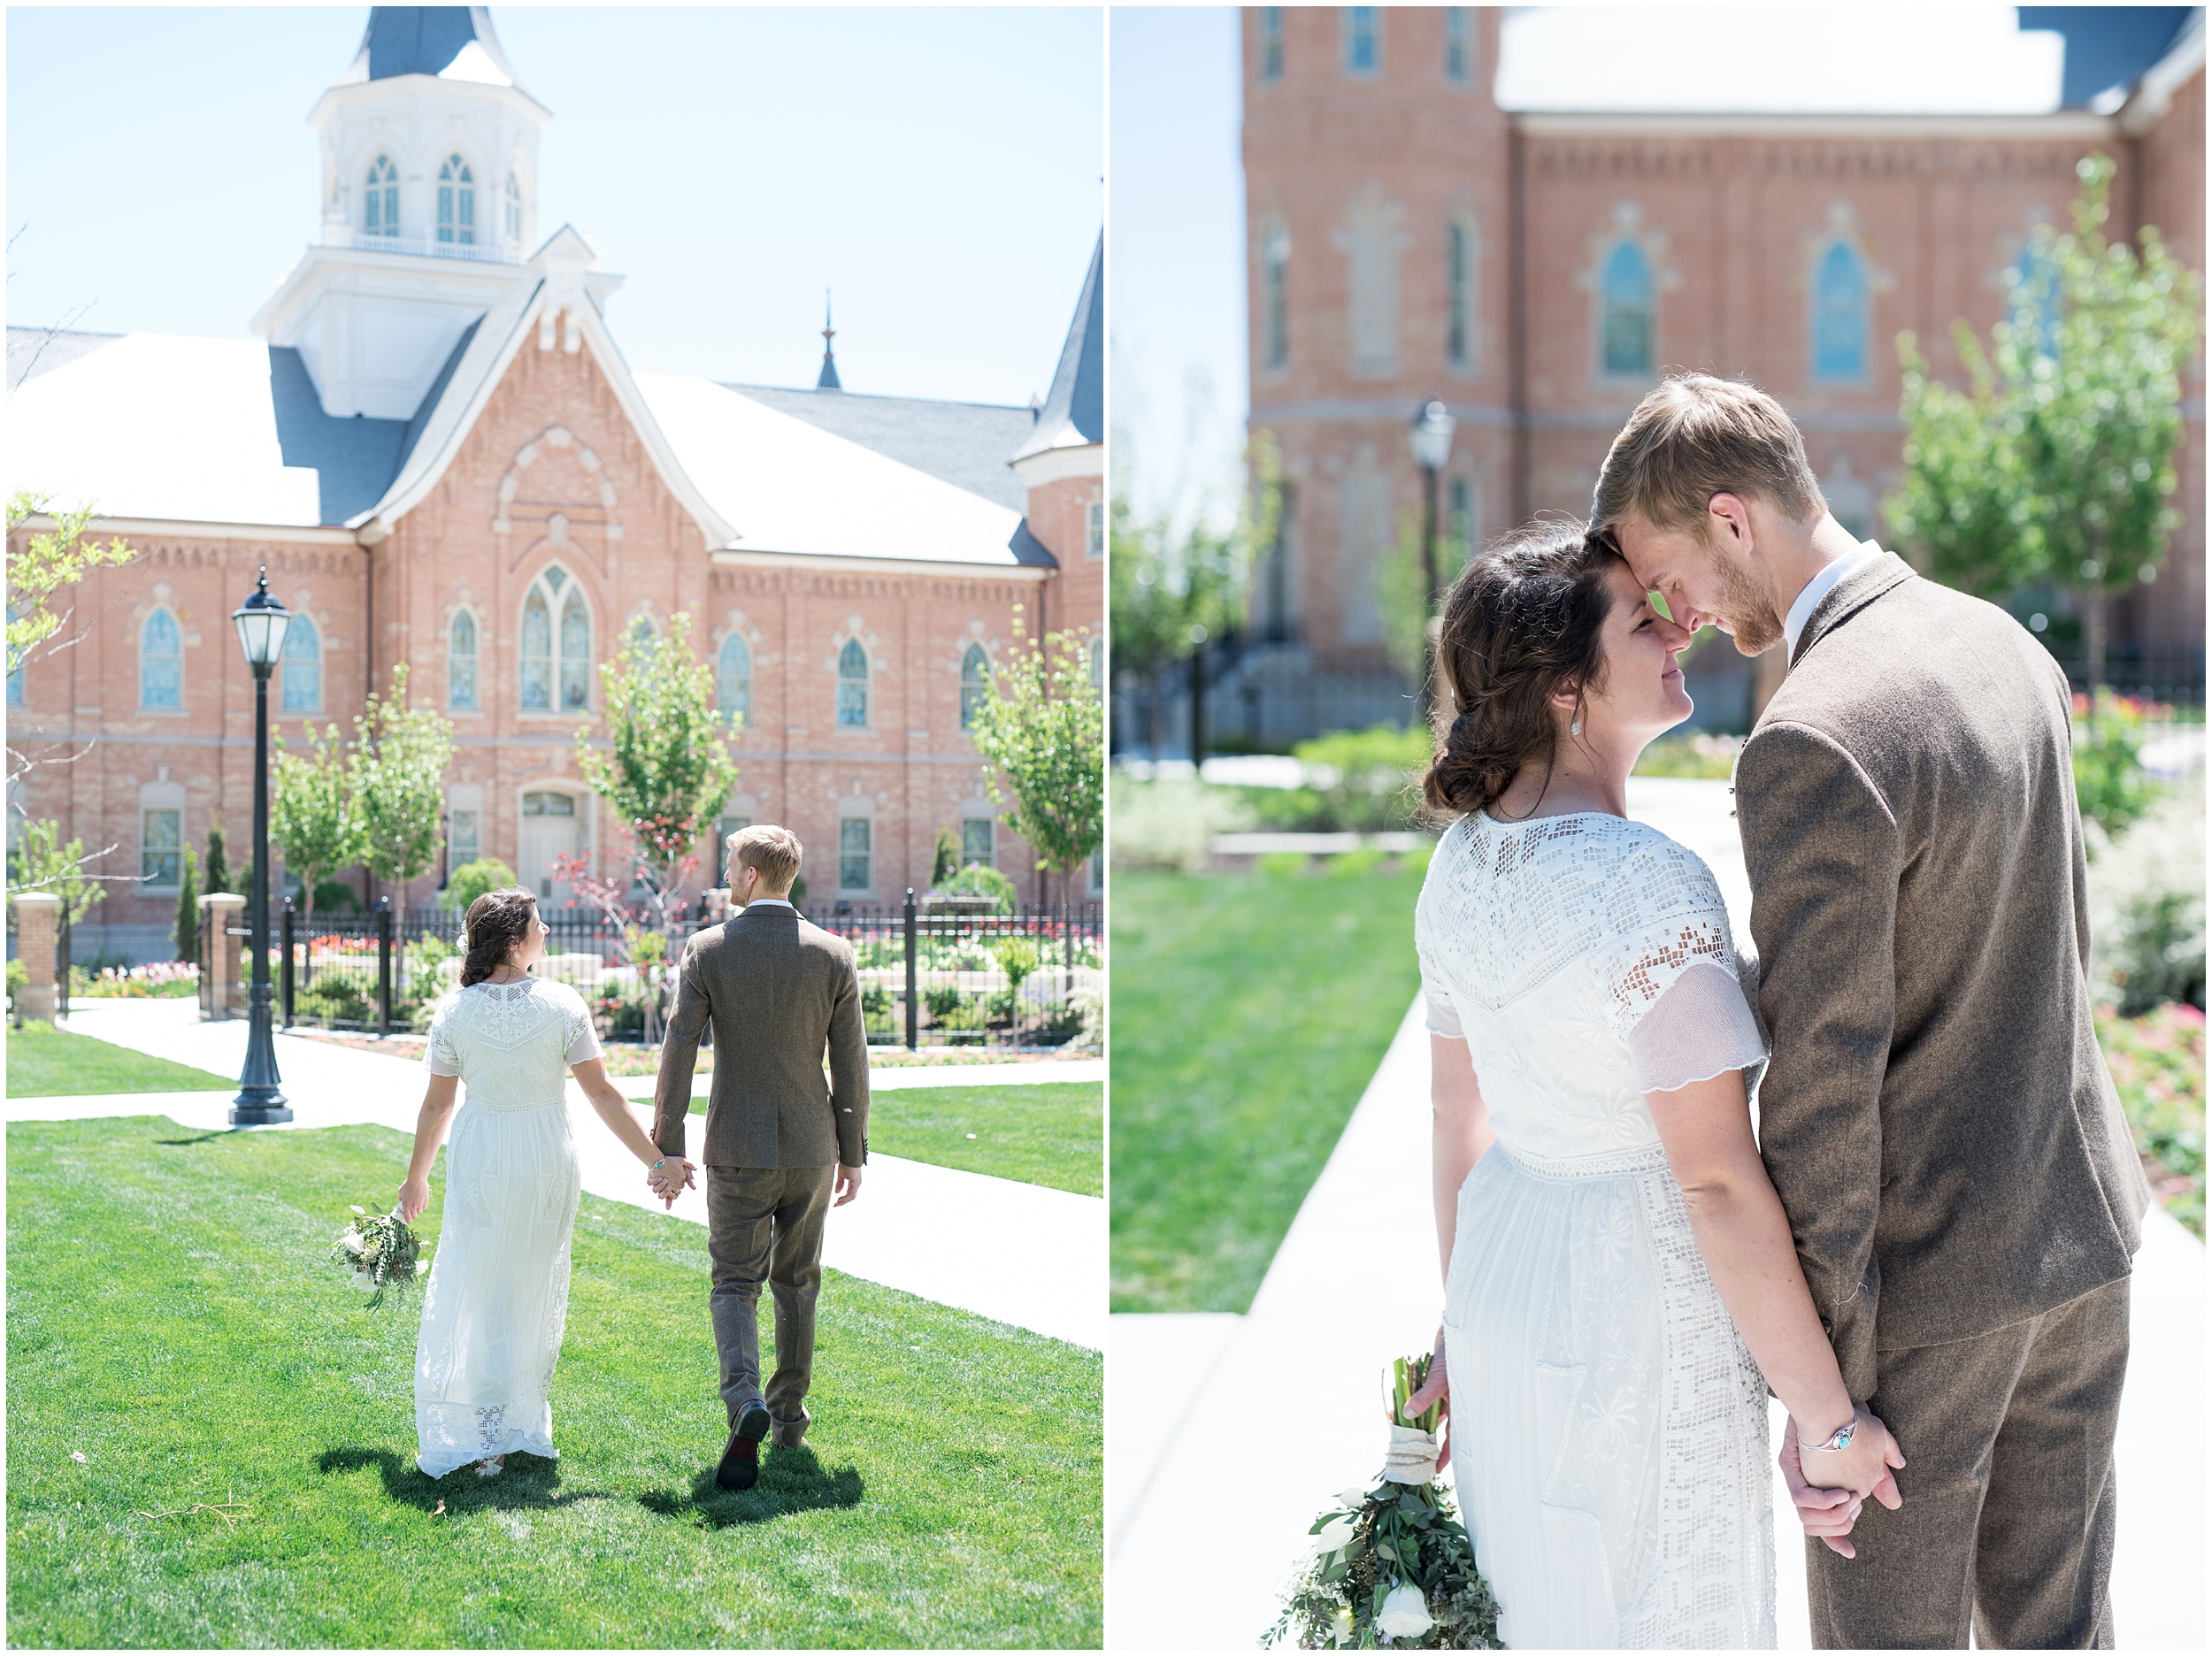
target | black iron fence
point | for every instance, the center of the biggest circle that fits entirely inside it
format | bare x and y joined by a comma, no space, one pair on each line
929,975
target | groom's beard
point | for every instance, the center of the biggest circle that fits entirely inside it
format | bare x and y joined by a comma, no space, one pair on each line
1746,607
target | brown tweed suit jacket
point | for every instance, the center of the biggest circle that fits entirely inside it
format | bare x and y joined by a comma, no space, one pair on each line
1937,1115
777,991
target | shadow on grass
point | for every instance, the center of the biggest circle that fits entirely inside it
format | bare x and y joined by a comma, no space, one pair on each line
791,1481
529,1481
206,1138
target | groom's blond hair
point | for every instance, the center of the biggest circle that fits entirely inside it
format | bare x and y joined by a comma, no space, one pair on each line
1697,436
774,851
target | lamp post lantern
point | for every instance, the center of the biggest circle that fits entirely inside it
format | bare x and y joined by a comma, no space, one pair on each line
1431,438
262,624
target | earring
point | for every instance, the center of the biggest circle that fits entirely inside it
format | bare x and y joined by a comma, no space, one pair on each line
1575,729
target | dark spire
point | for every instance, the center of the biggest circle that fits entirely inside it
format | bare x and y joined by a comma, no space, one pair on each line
828,380
1074,410
425,39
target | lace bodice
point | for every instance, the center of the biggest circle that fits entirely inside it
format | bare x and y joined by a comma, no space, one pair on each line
511,1044
1588,960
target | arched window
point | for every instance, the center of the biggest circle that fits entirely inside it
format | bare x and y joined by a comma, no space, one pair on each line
1839,319
160,663
1625,331
513,209
382,217
1362,40
1270,42
1458,291
457,202
556,658
303,667
733,680
1275,295
852,687
460,664
1459,46
975,674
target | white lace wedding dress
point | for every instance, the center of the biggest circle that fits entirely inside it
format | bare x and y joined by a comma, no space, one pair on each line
497,1299
1608,1427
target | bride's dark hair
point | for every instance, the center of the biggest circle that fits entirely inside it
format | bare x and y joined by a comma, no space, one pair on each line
496,922
1523,621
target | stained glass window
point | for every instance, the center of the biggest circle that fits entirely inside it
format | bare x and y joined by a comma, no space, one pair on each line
160,663
1839,318
303,667
460,664
975,673
1625,326
852,687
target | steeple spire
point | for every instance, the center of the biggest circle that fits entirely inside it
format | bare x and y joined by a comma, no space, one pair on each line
828,380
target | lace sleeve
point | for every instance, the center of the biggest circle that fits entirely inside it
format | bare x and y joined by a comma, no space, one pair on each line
441,1057
1442,1016
583,1040
1674,986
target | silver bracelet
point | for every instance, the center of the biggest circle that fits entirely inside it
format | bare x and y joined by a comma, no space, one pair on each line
1837,1443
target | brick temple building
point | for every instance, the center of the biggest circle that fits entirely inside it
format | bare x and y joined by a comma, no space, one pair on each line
440,454
1533,213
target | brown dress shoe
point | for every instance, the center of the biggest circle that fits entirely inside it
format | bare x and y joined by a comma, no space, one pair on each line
741,1460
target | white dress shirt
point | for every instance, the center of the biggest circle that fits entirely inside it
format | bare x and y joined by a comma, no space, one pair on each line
767,902
1820,586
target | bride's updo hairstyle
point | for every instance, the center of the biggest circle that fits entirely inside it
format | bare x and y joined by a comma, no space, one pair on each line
496,922
1522,622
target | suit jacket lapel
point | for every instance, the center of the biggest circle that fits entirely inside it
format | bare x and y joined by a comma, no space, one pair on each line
1861,588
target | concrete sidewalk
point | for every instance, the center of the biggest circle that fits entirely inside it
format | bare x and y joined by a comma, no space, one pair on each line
897,1077
1286,1399
1018,1253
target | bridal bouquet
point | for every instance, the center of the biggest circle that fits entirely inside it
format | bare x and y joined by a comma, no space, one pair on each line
1391,1566
381,1251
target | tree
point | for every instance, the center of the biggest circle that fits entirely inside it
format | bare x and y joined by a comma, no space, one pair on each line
218,865
666,768
312,815
2053,467
42,569
396,774
187,940
472,880
1176,591
1042,727
946,863
41,862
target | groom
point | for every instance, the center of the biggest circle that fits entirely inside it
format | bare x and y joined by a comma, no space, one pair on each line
782,1148
1937,1116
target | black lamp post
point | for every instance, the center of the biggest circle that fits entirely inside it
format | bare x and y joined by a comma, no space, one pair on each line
1431,437
262,624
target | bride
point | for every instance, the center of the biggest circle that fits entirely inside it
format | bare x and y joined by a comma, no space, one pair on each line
497,1297
1621,1288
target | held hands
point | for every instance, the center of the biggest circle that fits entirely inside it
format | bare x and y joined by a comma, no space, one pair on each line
414,1196
1830,1509
670,1179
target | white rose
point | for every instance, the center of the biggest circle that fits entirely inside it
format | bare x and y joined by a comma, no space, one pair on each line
1343,1631
1405,1613
1352,1499
1334,1536
352,1244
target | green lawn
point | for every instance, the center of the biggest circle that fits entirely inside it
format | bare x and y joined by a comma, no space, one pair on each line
173,1317
1050,1133
1249,1012
46,1062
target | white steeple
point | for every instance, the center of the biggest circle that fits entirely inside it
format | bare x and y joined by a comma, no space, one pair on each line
429,209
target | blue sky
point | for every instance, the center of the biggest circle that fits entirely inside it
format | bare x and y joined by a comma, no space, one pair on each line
1177,259
941,168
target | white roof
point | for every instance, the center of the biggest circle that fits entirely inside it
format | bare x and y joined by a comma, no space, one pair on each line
1778,60
789,486
157,425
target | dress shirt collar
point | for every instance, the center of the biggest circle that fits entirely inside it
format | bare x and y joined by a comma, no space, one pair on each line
1820,586
771,902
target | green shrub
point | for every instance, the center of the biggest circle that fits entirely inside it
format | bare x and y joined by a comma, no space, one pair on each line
2146,906
19,978
472,880
2109,775
1018,957
1698,753
334,897
334,1001
1368,780
1282,864
1355,864
943,1002
980,879
1171,824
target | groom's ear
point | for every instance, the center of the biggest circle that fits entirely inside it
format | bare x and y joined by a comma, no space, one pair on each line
1729,515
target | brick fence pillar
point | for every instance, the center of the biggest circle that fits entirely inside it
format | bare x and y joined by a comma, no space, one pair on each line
37,918
226,957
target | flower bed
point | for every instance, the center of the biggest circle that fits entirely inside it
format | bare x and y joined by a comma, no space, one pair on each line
2157,1062
160,980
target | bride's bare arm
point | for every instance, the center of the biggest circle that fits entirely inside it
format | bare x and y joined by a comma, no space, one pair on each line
614,1109
438,1100
1460,1134
1744,1234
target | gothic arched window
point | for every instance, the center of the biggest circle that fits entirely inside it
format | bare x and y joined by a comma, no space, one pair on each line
382,217
1625,311
460,664
1362,40
513,208
160,661
1275,295
457,202
1839,318
852,687
303,667
1459,294
555,661
733,680
975,674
